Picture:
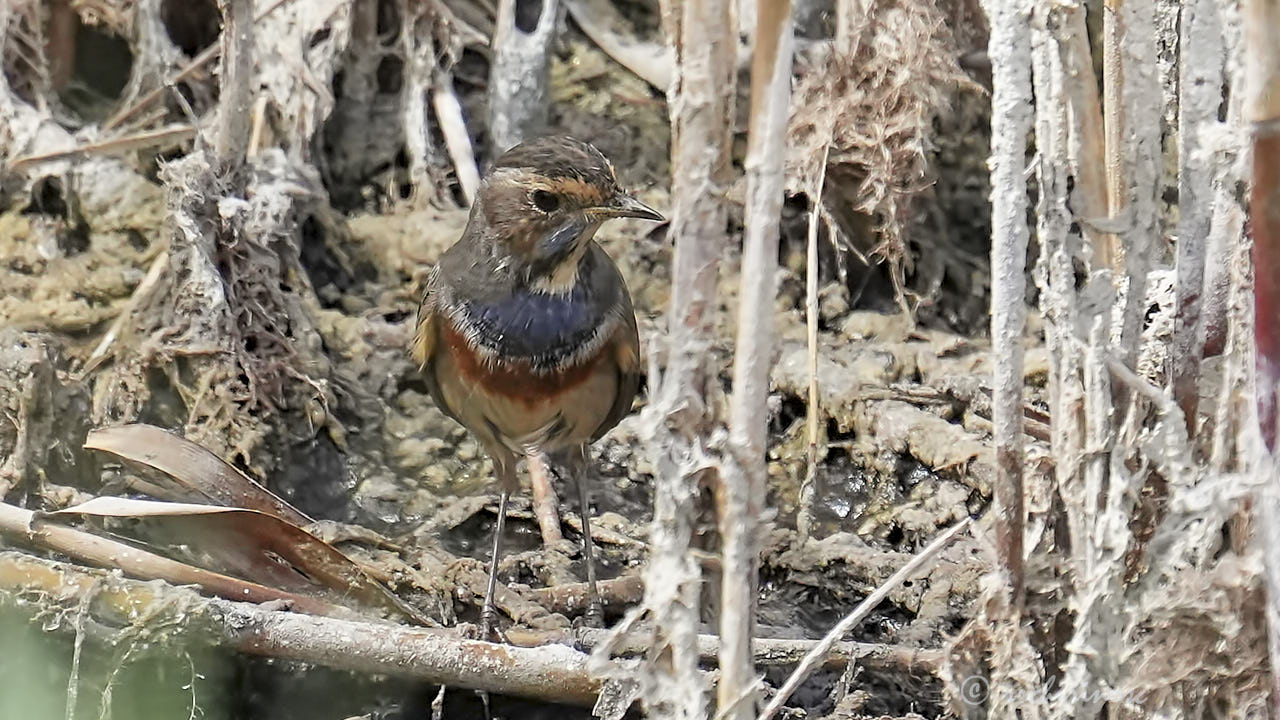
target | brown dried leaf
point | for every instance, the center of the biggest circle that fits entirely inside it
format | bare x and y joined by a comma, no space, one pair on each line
194,468
28,528
254,545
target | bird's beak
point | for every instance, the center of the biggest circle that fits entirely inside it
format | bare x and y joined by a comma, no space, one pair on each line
627,206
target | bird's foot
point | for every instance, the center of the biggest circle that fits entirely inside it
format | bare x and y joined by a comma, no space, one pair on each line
489,631
594,616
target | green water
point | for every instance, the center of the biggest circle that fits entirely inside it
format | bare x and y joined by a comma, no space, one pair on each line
126,682
191,681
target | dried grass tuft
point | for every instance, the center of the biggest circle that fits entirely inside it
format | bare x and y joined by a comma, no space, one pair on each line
869,107
225,324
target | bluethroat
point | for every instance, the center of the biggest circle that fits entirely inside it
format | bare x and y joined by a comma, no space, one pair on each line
526,334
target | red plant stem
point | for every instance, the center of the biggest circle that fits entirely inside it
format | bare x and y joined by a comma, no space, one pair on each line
1264,207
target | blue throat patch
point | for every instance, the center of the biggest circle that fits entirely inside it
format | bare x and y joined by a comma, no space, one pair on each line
543,329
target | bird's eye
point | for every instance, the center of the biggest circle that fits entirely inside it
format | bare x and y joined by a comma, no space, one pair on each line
545,201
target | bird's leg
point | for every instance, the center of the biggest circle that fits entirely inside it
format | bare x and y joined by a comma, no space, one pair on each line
545,501
595,610
488,615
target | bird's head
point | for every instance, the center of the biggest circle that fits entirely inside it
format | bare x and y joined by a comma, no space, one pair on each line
543,200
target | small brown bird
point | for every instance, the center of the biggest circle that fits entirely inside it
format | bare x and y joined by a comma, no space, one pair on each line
526,334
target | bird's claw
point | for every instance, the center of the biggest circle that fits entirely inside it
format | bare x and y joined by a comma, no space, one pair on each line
594,616
488,630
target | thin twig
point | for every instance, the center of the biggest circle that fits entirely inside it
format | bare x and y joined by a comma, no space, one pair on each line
804,513
815,657
137,141
139,296
437,705
73,680
207,55
257,126
766,652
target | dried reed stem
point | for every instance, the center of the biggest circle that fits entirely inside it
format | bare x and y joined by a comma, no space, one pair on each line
1011,123
744,475
231,139
456,138
679,419
813,413
1200,87
1087,144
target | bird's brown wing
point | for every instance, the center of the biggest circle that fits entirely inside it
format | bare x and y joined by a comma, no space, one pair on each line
624,351
426,342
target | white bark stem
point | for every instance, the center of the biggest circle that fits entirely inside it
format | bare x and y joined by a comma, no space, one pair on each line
679,419
518,82
743,481
1200,86
1010,51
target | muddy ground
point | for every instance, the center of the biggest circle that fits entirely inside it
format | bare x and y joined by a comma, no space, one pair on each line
905,452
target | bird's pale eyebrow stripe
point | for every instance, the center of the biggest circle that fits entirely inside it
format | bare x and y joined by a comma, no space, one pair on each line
580,190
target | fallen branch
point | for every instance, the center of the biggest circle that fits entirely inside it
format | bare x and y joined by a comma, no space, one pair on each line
766,652
544,665
571,598
554,673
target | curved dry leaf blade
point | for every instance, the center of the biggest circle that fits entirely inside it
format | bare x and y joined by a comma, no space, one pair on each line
255,545
27,528
193,467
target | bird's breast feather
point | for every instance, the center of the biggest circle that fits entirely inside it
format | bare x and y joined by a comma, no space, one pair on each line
514,377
